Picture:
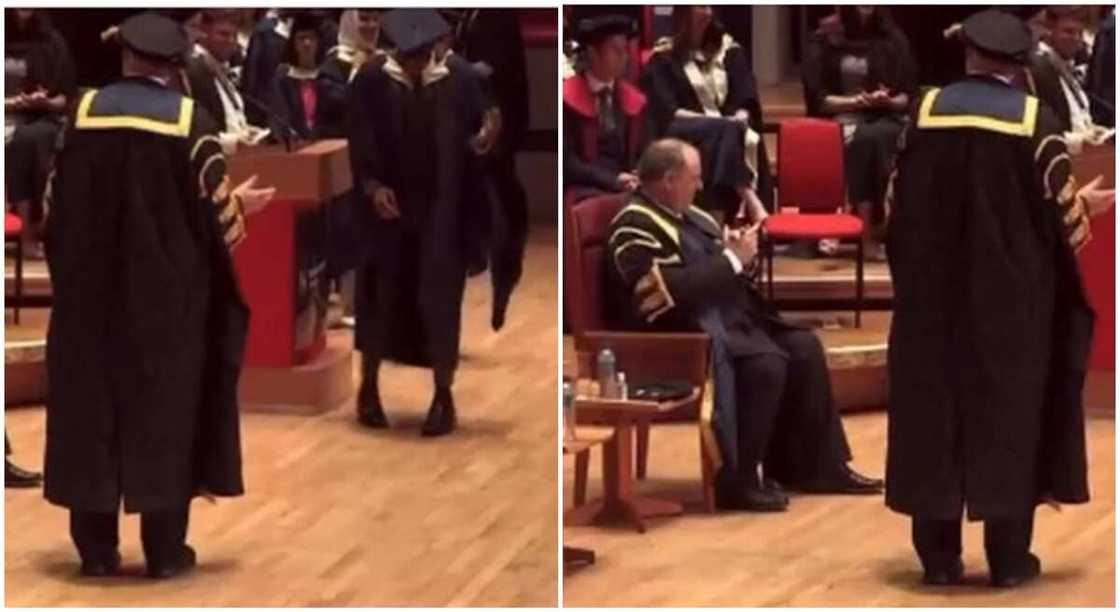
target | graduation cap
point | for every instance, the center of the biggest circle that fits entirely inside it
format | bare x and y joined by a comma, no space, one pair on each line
998,34
154,37
304,21
413,29
593,30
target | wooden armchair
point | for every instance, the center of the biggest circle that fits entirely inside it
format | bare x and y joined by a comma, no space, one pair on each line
643,356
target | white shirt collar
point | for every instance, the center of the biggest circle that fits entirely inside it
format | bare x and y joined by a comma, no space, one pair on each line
595,84
1002,78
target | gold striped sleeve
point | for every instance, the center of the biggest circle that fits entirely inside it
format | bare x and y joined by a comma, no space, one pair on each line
652,294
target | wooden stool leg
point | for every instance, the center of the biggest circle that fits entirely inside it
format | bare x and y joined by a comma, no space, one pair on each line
582,460
707,477
643,450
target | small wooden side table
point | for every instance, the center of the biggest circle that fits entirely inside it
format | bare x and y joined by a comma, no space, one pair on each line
620,500
586,438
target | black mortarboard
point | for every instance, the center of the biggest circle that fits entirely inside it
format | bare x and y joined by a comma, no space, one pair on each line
593,30
413,29
305,21
155,37
998,34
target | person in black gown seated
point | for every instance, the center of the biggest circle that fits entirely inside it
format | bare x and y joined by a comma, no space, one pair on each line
603,113
859,71
701,90
670,267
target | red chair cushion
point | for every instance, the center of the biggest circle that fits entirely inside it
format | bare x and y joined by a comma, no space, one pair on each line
13,225
796,226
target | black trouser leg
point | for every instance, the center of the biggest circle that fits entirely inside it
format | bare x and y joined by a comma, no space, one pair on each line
937,541
164,534
760,381
809,440
96,535
1007,542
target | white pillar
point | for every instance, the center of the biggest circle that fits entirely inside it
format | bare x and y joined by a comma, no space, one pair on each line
770,43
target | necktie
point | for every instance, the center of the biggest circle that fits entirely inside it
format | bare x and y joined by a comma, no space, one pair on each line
606,110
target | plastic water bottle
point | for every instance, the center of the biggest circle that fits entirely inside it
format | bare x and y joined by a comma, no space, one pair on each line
623,390
607,370
569,411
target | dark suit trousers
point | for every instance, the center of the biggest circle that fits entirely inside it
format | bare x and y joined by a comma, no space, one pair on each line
1006,542
97,535
787,419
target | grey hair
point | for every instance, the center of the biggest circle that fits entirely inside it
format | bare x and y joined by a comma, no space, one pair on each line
661,157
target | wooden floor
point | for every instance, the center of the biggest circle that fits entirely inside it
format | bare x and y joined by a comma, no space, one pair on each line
827,550
336,515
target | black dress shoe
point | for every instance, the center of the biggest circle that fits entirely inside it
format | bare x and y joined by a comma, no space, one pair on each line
944,576
370,412
846,482
185,560
16,477
100,568
1028,570
441,415
735,493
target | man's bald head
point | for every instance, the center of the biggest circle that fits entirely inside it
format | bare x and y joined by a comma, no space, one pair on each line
669,170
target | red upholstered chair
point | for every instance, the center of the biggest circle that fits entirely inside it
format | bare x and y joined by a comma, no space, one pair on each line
643,356
811,178
13,235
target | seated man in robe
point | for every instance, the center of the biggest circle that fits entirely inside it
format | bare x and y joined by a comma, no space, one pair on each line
209,79
603,114
1051,76
670,267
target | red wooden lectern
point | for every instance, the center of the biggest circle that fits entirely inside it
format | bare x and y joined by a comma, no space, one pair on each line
280,266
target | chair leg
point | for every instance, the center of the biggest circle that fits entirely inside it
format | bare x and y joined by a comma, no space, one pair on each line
642,450
707,478
19,280
859,283
580,490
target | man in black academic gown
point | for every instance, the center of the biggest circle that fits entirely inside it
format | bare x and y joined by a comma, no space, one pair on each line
412,122
490,39
147,326
991,328
604,115
670,268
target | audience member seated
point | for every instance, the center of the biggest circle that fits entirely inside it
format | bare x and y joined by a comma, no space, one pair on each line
38,85
859,71
1051,75
358,34
603,114
701,90
670,269
311,103
209,81
1100,83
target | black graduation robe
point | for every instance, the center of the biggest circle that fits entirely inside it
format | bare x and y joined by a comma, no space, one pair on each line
668,88
1044,82
651,283
410,296
991,328
585,169
265,55
1100,82
330,106
147,327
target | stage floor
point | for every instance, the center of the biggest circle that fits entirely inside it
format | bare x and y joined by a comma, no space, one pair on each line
826,550
338,515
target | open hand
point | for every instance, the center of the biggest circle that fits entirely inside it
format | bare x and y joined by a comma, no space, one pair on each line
254,199
385,203
1097,201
